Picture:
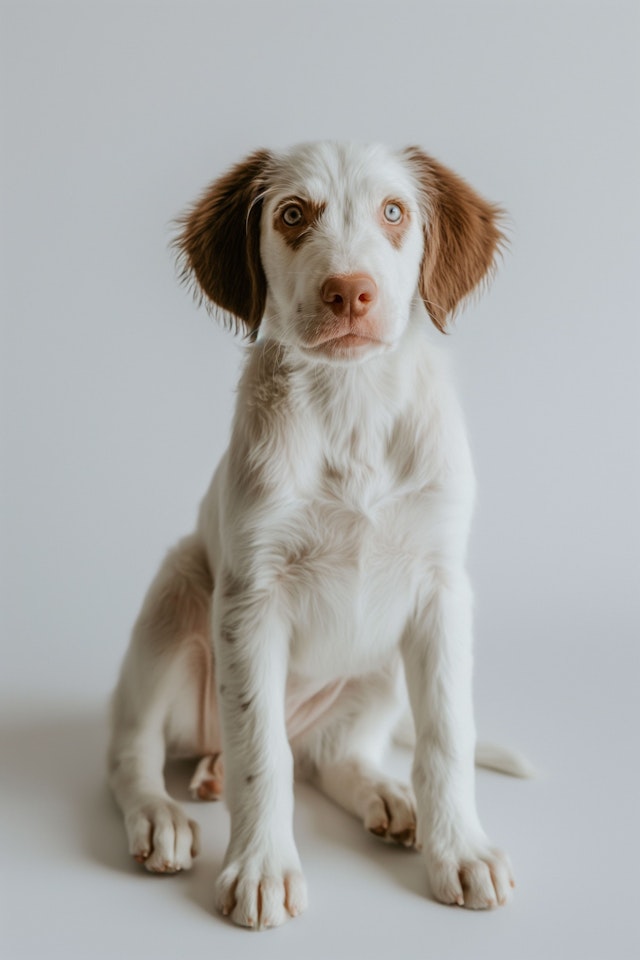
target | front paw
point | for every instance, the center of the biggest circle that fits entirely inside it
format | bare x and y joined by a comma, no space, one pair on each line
161,836
261,891
479,878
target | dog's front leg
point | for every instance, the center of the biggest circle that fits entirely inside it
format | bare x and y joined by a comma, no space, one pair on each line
463,866
261,883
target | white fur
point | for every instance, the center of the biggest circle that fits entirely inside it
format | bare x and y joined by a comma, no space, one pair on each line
332,541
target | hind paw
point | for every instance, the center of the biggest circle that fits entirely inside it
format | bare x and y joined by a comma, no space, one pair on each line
207,782
391,813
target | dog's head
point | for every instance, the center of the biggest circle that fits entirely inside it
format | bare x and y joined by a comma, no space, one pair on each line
329,245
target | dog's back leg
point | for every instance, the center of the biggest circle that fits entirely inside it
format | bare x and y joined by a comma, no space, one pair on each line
164,700
342,757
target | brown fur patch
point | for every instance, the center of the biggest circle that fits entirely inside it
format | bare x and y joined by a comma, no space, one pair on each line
179,600
462,236
220,242
295,235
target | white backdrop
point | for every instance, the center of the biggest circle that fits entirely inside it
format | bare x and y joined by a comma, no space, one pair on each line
117,396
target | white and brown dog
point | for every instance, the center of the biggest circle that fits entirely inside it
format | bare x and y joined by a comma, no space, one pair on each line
328,562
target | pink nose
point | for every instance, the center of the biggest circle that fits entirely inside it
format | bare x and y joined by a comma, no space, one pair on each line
351,295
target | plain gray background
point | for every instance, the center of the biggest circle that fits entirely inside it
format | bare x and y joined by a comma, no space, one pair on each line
116,403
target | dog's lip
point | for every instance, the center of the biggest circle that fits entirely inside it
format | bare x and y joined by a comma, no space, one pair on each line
345,340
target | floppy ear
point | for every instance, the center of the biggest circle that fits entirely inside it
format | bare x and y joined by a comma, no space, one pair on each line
462,236
219,244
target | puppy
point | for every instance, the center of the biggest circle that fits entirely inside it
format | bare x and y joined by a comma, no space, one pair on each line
326,575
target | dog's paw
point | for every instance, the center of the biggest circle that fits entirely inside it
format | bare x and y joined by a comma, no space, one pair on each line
260,893
162,837
207,782
479,881
390,812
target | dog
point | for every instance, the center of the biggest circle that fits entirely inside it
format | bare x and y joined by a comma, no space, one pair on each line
326,577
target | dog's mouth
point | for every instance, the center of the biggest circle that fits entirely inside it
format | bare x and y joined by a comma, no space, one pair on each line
344,346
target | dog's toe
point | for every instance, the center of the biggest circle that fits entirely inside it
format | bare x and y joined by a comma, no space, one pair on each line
260,896
478,882
391,813
162,837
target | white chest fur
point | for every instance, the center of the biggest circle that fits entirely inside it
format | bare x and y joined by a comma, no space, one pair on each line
336,498
349,585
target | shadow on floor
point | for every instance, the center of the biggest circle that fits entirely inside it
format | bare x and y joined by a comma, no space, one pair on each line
55,761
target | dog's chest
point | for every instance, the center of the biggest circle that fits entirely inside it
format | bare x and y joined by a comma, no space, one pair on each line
352,579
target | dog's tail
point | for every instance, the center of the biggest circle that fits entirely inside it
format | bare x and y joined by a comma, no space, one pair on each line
489,755
504,760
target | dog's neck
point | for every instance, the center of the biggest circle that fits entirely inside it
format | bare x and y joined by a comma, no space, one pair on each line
363,423
369,394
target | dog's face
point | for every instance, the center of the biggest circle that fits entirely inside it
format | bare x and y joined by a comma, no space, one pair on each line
327,246
341,246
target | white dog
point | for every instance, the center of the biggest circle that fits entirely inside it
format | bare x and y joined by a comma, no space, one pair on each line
328,562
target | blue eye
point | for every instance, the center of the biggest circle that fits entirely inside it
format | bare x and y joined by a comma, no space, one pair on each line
393,212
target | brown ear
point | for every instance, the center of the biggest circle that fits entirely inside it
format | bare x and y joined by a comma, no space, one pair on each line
462,236
220,242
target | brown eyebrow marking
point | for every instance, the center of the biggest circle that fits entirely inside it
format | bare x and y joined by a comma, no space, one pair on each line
295,236
395,232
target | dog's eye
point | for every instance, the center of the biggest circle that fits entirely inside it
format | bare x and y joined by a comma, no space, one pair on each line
292,215
393,212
